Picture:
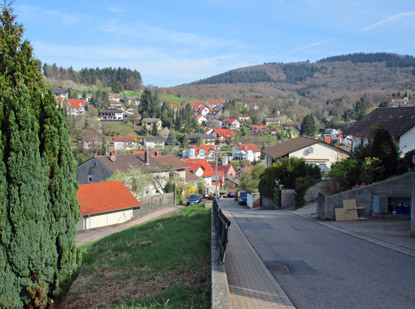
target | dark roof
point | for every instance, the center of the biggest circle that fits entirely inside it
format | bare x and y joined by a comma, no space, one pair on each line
289,146
57,91
123,162
397,120
110,111
150,120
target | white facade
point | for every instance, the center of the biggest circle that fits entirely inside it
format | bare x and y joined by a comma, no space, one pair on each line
191,154
407,141
98,220
321,155
126,145
240,154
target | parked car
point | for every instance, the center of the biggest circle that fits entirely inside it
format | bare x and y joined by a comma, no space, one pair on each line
232,194
243,197
194,199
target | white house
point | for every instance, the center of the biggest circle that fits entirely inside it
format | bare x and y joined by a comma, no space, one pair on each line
105,203
125,143
314,152
399,121
112,115
231,123
201,119
249,152
75,107
151,142
200,152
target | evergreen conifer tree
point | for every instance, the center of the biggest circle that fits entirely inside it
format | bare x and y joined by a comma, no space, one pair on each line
38,205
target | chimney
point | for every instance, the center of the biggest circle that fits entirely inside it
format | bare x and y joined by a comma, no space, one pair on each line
113,157
146,157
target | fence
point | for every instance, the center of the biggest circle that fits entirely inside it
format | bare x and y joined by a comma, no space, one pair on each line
221,229
153,203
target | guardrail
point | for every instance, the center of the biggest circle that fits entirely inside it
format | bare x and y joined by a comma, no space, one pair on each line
221,230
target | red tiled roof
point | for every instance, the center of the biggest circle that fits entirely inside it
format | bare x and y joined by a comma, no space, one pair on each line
75,103
195,164
216,101
104,197
228,121
125,139
251,147
207,148
138,151
259,126
224,132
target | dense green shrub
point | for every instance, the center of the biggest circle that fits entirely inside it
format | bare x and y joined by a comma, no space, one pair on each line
292,173
38,205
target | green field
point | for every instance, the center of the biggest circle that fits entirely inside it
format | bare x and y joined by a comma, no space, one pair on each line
162,264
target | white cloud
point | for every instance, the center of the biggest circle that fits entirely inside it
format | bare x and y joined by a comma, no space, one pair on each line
29,11
115,9
314,44
156,67
387,20
159,34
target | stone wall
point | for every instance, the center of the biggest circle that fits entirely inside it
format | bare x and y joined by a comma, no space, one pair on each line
267,203
399,187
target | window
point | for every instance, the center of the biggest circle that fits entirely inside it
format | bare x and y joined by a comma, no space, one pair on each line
89,178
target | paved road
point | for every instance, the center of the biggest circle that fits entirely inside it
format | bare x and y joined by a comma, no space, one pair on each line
321,268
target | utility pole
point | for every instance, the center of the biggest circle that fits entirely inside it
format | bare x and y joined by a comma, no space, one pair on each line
216,149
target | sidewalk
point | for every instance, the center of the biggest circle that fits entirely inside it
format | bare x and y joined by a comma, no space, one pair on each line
84,237
251,285
390,233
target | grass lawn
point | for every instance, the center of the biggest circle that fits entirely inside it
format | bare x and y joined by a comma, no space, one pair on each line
162,264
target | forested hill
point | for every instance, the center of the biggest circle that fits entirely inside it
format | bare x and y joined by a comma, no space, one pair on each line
108,77
332,84
298,72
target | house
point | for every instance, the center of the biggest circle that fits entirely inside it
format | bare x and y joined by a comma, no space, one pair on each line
213,114
114,97
91,140
112,115
214,103
226,174
207,152
400,102
231,123
201,110
105,203
60,93
206,139
272,121
131,100
203,170
125,143
149,122
258,129
399,121
223,135
75,107
200,119
244,118
314,152
153,142
249,152
100,168
251,106
116,105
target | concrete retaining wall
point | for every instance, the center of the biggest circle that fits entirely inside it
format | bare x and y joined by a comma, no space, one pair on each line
398,188
267,203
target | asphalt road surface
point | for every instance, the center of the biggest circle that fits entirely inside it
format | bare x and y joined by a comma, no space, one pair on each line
318,267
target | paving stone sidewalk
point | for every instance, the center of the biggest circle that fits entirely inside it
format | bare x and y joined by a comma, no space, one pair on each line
250,284
392,233
84,237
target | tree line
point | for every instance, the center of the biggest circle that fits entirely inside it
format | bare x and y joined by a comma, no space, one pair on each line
233,77
392,60
108,77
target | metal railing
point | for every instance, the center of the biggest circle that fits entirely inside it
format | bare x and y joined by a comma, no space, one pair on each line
221,230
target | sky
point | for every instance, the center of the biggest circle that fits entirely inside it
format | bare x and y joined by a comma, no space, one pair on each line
181,41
